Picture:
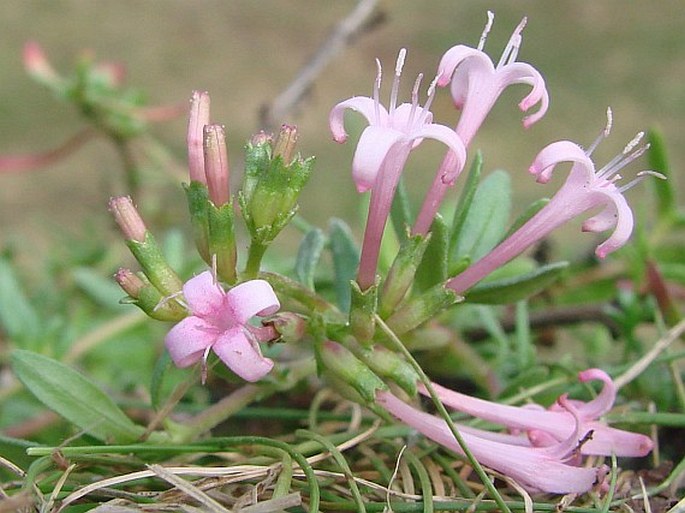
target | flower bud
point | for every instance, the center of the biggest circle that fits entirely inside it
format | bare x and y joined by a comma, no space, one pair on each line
422,308
216,164
273,181
345,367
290,326
146,297
198,118
144,247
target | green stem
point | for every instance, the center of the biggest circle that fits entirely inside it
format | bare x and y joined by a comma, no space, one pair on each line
254,259
443,413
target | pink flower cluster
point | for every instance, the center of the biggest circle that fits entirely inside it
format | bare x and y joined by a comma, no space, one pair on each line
475,84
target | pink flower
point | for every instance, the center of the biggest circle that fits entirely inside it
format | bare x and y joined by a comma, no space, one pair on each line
543,469
383,150
219,322
584,189
476,83
549,427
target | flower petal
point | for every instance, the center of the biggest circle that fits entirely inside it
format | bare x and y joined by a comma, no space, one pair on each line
204,296
250,298
450,138
188,340
522,73
241,355
366,106
623,219
557,152
456,56
374,146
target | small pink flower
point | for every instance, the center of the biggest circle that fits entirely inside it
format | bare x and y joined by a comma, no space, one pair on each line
220,322
549,427
546,469
382,153
476,83
584,189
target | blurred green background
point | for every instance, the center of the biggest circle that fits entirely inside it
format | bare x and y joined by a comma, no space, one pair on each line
593,54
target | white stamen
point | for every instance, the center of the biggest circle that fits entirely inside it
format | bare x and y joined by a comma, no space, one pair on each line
634,142
376,90
622,160
214,277
175,297
396,82
415,99
641,176
512,49
486,30
429,100
603,134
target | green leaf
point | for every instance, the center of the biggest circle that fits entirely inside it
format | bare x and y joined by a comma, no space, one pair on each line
308,256
102,290
345,260
658,161
17,317
74,397
514,289
486,219
465,201
433,267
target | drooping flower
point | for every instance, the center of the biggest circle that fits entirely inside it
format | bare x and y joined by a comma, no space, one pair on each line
476,83
220,322
546,469
584,189
549,427
383,150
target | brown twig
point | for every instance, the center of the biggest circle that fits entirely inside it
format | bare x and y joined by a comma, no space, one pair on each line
551,317
360,19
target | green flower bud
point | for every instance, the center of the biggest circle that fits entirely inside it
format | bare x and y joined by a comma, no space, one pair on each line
402,273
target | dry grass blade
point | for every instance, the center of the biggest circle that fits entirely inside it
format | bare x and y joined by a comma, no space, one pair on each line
4,462
210,504
644,362
278,504
46,507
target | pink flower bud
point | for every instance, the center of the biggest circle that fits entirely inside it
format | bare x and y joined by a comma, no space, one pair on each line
128,219
216,164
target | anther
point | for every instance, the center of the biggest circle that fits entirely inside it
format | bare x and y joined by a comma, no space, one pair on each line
486,30
396,82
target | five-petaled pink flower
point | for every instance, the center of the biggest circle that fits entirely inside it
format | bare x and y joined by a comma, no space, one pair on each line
476,83
220,322
382,153
584,189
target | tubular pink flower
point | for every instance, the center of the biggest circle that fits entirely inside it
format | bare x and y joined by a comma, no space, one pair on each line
583,190
536,468
476,83
220,322
382,153
198,118
548,427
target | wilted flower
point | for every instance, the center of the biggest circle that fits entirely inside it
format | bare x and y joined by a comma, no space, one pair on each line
544,469
549,427
220,322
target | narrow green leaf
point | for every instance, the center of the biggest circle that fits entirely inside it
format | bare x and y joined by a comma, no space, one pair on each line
400,212
465,201
74,397
17,317
103,290
308,256
345,260
658,161
433,267
510,290
486,219
162,365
